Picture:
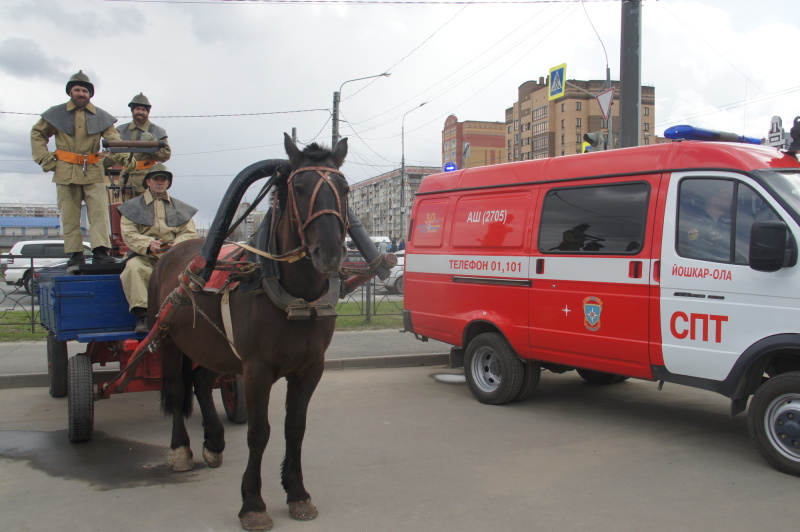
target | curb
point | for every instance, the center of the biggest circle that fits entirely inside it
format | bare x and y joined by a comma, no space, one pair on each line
41,380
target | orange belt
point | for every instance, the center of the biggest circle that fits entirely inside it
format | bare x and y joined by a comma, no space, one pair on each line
77,158
143,165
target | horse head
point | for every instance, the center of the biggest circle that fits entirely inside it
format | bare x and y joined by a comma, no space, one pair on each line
316,200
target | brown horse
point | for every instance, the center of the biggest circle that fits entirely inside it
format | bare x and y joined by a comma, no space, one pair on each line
310,222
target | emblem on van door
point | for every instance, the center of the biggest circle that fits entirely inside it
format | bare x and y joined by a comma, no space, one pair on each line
592,307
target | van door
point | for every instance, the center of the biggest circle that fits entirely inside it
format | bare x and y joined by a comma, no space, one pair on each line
713,306
592,273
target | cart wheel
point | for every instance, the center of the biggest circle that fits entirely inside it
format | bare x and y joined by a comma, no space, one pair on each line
80,399
57,365
231,387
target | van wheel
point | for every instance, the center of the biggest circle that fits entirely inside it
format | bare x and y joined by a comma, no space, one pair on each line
530,379
774,422
600,377
494,373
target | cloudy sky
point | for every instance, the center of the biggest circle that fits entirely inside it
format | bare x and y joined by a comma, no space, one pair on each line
227,78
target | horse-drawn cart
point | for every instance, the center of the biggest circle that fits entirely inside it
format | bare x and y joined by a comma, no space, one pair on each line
91,308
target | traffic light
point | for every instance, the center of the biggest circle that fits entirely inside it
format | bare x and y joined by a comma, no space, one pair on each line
595,140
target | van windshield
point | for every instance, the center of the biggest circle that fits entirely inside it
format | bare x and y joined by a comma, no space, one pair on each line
786,185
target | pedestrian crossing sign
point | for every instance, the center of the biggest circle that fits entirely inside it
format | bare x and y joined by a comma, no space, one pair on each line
557,82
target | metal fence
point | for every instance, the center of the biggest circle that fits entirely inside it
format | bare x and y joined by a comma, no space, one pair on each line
18,307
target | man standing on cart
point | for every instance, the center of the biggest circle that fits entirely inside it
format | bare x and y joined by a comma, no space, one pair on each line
140,128
78,126
150,225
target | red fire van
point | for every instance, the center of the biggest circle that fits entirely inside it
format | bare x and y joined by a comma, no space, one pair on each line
674,263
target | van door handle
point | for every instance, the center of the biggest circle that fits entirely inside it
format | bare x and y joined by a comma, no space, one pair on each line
539,266
635,269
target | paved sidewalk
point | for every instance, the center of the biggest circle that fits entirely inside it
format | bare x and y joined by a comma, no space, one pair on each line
24,364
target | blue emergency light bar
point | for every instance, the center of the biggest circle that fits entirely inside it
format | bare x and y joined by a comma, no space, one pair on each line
698,133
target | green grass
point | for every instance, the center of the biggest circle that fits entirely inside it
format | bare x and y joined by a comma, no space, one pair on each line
15,327
389,318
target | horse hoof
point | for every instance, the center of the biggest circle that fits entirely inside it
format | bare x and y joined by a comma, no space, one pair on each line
182,459
211,458
256,521
302,510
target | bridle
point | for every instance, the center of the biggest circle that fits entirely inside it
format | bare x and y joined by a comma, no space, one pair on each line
296,220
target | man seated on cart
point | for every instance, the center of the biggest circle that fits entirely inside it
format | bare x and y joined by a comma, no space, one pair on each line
150,225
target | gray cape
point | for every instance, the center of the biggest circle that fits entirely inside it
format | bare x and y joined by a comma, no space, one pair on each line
64,121
137,211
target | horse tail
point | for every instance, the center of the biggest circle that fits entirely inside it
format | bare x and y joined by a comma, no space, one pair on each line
185,377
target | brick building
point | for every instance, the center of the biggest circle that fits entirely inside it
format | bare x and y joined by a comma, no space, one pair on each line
473,143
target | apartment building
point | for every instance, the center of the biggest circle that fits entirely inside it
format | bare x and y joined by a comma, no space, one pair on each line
383,205
537,127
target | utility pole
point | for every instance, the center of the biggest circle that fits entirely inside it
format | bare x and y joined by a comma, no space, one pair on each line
630,76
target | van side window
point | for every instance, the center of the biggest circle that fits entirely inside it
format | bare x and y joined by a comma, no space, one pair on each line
603,220
715,217
32,250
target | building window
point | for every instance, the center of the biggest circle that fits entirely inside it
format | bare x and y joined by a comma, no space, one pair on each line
578,139
562,123
577,122
516,125
646,111
647,126
577,106
562,107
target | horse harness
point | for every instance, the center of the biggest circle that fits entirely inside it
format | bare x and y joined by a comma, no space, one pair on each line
233,272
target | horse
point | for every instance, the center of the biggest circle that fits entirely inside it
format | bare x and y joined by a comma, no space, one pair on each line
311,222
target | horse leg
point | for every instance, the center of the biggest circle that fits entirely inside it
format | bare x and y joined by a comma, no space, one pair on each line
176,400
258,382
213,430
298,395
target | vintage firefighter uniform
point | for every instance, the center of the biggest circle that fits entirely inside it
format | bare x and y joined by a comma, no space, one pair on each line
143,130
78,172
144,219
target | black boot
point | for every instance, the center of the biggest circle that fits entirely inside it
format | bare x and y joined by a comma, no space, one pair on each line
100,256
141,320
75,261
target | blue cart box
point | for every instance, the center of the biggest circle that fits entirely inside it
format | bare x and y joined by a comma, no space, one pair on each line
76,306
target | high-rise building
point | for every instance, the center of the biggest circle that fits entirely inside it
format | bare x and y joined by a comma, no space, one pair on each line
473,143
537,127
383,205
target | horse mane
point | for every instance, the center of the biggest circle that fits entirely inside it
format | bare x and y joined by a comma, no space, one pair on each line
316,152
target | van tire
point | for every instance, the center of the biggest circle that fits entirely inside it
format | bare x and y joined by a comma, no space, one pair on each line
773,421
600,377
494,372
530,380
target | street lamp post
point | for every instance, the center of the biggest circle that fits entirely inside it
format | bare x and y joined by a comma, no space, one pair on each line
337,98
403,170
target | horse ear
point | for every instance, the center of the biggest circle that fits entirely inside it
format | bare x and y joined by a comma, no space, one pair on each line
339,152
291,150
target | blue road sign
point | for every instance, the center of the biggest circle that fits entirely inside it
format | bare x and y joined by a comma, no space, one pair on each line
449,167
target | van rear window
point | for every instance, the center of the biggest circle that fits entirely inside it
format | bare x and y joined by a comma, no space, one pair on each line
605,220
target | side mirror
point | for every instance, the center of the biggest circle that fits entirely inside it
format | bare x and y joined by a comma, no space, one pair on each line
768,245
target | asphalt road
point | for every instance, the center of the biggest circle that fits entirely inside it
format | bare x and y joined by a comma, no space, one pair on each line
394,450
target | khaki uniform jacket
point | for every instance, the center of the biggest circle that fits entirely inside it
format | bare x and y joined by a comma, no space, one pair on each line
81,142
138,237
161,156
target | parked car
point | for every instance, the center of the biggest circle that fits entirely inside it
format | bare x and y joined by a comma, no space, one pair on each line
43,252
394,283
